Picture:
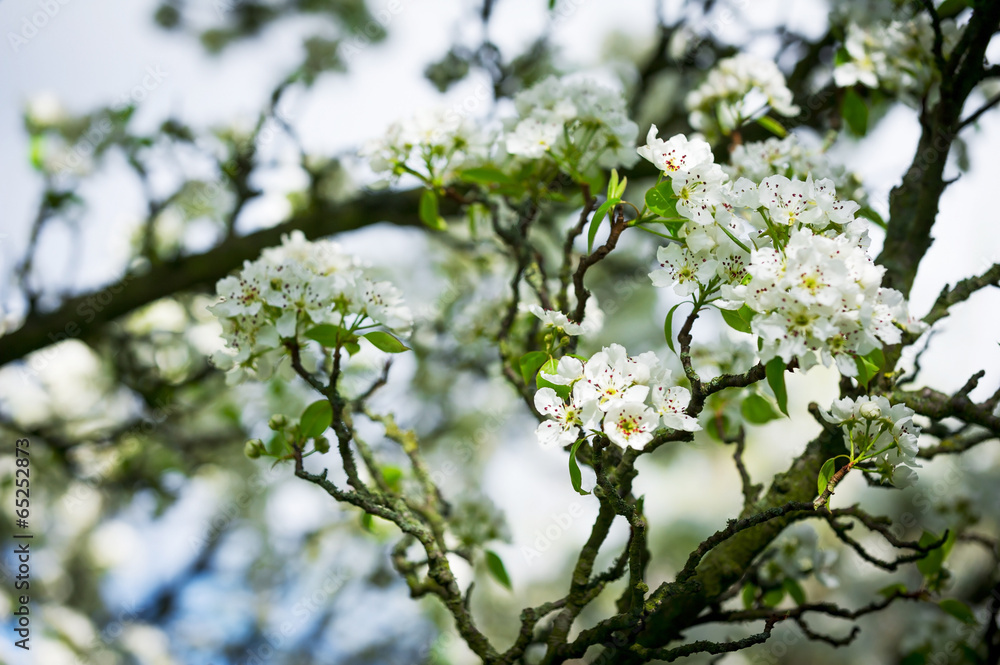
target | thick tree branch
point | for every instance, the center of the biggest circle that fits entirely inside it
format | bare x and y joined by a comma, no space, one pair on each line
84,315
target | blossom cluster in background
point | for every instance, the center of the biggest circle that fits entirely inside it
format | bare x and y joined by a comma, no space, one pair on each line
882,432
791,158
624,397
573,120
738,89
789,250
890,49
578,124
292,288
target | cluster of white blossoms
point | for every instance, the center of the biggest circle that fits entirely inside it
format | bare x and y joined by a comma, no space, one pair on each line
576,121
292,288
796,555
736,90
593,318
432,144
624,397
793,159
790,250
894,55
877,430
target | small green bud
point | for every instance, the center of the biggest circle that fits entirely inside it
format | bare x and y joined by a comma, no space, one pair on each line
253,448
322,444
278,422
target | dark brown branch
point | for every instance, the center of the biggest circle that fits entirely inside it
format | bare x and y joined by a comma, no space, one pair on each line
84,315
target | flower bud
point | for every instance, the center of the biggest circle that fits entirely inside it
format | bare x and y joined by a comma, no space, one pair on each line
253,448
322,445
870,411
277,422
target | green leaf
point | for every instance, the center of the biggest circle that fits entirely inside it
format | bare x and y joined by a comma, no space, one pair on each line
959,610
854,111
931,564
661,200
529,364
429,214
612,183
352,347
574,469
36,151
595,223
758,410
495,565
773,597
841,57
735,321
392,475
892,590
366,522
773,126
829,468
872,216
383,341
668,326
866,370
749,594
329,335
952,8
795,590
485,175
316,418
775,372
915,658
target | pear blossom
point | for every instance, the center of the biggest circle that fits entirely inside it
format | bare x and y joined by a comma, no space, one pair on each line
577,122
620,395
881,431
564,420
593,318
671,404
290,289
630,424
736,90
682,269
677,154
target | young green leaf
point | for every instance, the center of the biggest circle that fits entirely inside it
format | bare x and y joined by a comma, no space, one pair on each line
668,326
758,410
661,200
749,594
829,468
392,476
495,565
384,341
854,112
773,597
735,321
892,590
429,214
574,469
959,610
529,364
485,175
316,418
931,564
773,126
595,223
795,590
328,335
775,372
612,183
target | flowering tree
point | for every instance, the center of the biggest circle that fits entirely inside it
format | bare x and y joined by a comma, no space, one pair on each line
537,211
